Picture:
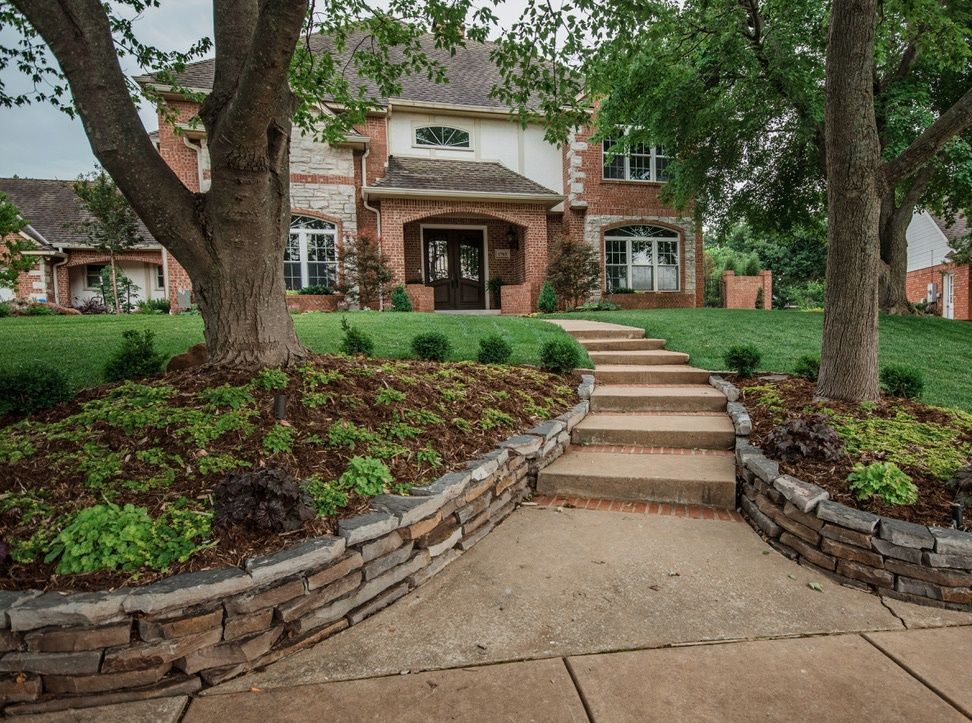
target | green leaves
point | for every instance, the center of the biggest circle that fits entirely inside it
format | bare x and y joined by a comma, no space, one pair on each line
884,480
366,475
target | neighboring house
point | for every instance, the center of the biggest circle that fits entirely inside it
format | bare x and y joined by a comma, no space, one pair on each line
931,275
460,194
68,269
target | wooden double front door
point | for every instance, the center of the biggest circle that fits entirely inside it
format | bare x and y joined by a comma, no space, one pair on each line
454,267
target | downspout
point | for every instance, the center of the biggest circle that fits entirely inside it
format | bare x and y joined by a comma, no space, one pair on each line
54,268
165,280
198,151
364,201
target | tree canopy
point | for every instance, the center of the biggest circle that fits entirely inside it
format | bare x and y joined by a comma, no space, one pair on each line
12,246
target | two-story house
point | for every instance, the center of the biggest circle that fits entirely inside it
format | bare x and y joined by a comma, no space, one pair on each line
460,193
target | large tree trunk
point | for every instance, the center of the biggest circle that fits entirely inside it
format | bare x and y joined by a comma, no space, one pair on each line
849,354
893,277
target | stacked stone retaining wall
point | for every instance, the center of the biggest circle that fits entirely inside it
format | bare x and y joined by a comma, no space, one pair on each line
198,629
883,555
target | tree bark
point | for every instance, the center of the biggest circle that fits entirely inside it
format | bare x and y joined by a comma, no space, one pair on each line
849,354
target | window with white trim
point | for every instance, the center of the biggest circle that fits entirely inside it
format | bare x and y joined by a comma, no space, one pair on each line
442,137
92,275
639,163
310,256
159,277
641,258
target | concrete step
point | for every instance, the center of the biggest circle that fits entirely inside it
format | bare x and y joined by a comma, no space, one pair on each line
648,357
690,398
605,331
620,344
684,431
650,374
694,479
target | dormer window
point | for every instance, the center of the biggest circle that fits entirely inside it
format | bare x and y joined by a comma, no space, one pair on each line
442,137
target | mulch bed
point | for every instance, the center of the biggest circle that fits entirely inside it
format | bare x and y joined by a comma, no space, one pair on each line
934,495
461,395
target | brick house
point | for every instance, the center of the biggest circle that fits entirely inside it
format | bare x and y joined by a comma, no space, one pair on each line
931,275
460,193
68,269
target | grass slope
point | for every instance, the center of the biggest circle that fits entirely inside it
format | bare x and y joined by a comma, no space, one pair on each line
942,349
82,344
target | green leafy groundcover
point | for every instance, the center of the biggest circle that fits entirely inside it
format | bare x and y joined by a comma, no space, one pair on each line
119,482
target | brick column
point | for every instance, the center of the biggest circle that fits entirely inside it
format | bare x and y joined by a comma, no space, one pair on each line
767,288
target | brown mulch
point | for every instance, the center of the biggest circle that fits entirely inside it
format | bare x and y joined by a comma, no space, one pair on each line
933,506
63,485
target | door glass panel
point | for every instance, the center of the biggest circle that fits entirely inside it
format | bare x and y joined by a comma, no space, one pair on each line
469,260
437,251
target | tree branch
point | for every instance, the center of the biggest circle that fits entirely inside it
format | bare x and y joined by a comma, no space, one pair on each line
955,120
78,33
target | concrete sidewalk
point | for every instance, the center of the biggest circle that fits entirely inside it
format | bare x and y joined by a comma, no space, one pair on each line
580,615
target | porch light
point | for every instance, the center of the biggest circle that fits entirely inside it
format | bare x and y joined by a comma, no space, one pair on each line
513,238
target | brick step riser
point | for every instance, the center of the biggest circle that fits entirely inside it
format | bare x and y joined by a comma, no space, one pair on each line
668,358
607,334
675,376
689,492
676,439
657,404
622,344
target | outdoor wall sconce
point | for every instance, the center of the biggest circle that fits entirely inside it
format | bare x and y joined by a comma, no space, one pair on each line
513,238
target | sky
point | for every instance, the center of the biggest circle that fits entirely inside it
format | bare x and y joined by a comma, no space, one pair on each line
39,141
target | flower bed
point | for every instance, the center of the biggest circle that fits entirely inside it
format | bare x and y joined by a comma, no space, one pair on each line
930,565
191,630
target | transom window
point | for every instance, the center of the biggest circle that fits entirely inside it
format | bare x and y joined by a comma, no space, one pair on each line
641,258
640,163
442,137
310,257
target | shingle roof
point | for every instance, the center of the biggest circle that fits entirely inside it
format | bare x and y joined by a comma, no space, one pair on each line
471,73
51,207
428,174
958,230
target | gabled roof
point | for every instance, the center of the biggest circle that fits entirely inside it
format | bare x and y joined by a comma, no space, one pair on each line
52,208
470,72
444,176
955,231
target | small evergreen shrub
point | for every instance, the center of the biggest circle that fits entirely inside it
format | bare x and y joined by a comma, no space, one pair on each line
355,342
807,437
742,359
265,499
808,367
884,480
136,358
316,290
760,298
152,306
902,381
559,356
547,303
494,349
38,310
31,386
400,300
5,310
431,346
621,290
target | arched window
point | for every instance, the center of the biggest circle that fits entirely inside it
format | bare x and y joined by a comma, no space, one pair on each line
310,258
442,137
641,258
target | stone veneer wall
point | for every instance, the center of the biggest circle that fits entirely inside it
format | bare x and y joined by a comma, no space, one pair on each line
904,560
193,630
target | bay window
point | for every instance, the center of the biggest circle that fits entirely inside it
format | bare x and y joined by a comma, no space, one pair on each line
310,256
641,258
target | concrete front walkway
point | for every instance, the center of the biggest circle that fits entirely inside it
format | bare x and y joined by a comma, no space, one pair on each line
568,614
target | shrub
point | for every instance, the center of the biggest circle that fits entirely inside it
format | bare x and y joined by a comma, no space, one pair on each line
31,386
317,289
742,359
760,298
355,342
5,310
495,287
366,270
153,306
547,303
808,367
136,358
902,381
599,305
574,271
92,305
265,499
366,475
494,349
621,290
38,310
884,480
400,300
109,537
431,346
807,437
559,356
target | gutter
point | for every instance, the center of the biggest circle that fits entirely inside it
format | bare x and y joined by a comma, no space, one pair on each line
550,199
364,189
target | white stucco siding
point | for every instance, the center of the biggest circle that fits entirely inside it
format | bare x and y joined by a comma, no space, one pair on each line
505,141
142,274
927,245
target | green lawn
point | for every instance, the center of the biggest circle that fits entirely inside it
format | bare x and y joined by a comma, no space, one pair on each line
81,344
941,348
